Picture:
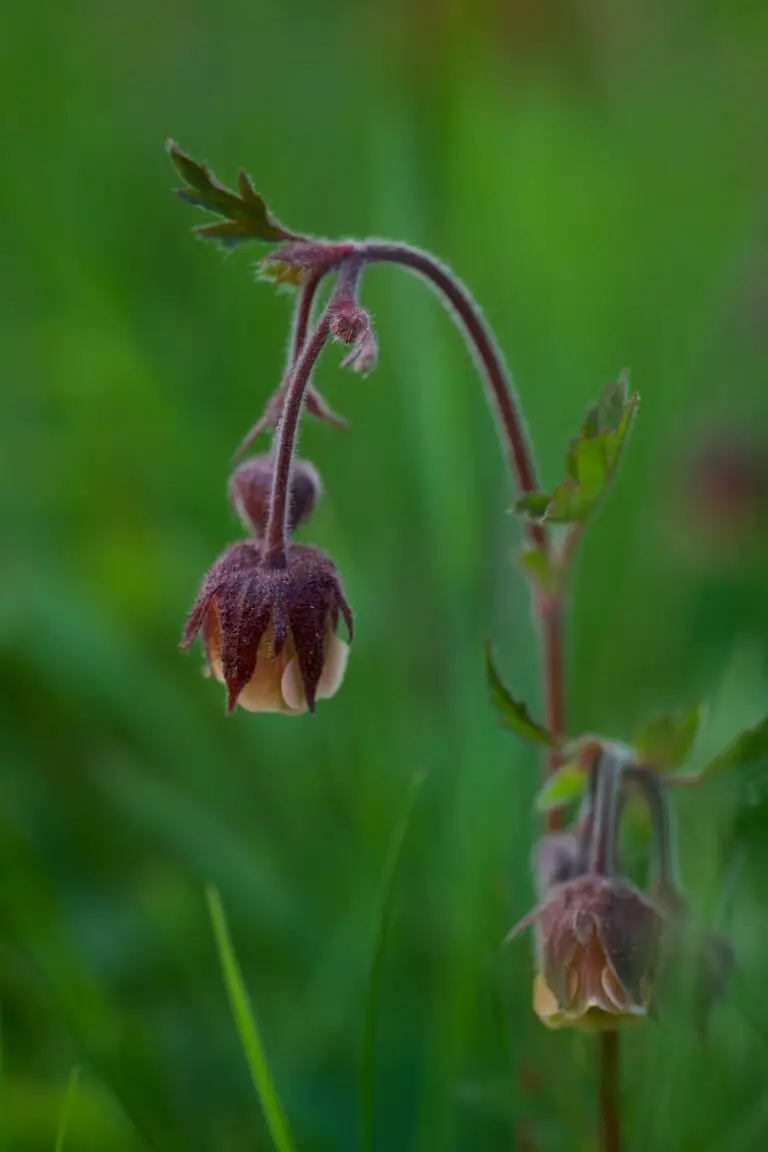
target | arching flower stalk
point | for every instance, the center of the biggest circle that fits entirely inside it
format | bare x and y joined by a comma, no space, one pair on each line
269,612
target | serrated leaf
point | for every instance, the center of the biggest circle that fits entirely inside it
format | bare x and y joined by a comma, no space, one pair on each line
246,212
513,712
591,460
567,784
666,740
744,749
229,233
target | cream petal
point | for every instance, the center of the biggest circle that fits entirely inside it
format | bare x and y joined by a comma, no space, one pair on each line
292,689
334,667
263,692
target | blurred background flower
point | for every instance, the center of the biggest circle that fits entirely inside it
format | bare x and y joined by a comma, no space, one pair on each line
597,174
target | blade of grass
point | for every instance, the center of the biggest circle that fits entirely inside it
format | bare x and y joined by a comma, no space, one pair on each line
3,1091
66,1112
371,1012
246,1026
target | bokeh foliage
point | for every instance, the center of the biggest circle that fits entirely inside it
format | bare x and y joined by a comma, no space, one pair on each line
597,174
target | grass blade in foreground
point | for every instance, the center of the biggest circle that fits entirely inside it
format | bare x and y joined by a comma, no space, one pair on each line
246,1027
66,1112
3,1090
370,1019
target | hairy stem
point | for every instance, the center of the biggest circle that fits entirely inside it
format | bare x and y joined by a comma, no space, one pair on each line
276,541
506,405
303,316
489,357
610,1123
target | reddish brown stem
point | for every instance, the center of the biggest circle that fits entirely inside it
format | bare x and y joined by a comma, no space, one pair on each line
489,357
276,540
552,613
610,1123
303,315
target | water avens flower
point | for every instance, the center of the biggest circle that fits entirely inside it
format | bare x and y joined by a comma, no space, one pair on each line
598,946
271,632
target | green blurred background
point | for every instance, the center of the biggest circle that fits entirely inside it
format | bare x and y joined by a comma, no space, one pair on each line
597,174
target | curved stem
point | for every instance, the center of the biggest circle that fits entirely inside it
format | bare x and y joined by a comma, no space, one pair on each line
506,405
302,316
276,541
489,357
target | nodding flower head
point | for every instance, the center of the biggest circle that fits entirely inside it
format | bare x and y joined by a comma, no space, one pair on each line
250,492
270,634
598,945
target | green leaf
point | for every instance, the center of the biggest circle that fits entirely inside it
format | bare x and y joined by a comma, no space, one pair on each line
536,564
666,740
246,214
513,712
373,991
534,505
590,462
745,749
246,1027
66,1112
564,786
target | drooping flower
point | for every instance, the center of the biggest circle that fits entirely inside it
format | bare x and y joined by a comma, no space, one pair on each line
598,944
271,633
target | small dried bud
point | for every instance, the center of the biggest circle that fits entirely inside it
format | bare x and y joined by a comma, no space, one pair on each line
270,634
250,492
598,943
348,321
351,324
364,354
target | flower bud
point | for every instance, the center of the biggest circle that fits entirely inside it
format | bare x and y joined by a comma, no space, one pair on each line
250,492
270,634
351,324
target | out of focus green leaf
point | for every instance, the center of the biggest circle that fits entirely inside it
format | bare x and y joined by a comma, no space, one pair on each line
513,712
246,214
534,505
537,566
562,787
744,749
666,740
591,460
